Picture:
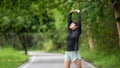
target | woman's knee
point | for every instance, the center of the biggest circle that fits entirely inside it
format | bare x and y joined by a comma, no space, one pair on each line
77,61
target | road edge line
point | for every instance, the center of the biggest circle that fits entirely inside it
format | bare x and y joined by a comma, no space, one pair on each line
33,58
88,64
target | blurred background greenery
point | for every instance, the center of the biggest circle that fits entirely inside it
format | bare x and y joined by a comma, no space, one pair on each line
41,25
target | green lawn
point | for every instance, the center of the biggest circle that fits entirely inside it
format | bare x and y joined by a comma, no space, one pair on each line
10,58
102,58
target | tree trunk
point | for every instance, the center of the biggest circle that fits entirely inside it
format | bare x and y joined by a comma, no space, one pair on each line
13,36
23,42
117,15
1,42
5,36
90,39
118,25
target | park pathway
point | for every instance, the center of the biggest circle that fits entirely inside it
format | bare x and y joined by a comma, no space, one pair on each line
49,60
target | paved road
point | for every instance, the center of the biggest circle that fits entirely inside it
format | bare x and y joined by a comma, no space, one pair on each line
49,60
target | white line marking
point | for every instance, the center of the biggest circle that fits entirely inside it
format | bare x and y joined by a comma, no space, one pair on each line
32,59
88,64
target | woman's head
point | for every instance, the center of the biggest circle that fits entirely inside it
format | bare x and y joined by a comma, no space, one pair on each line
73,26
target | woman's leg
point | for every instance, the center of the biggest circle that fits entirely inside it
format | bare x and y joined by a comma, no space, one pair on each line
67,63
78,63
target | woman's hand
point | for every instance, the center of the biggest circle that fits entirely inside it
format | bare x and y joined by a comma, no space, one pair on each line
74,11
77,10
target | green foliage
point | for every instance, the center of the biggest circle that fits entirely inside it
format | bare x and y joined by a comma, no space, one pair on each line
101,22
103,30
23,16
10,58
101,58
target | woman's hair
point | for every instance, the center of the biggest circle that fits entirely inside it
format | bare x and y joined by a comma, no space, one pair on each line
75,23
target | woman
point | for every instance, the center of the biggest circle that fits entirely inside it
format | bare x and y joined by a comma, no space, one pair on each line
74,31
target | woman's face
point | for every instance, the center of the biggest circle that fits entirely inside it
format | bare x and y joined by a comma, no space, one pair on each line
73,26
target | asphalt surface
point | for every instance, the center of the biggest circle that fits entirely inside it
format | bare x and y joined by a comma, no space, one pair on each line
49,60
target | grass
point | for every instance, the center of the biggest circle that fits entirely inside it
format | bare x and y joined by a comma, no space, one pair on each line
102,58
10,58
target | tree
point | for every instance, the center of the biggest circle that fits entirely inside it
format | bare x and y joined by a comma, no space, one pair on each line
116,5
22,17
